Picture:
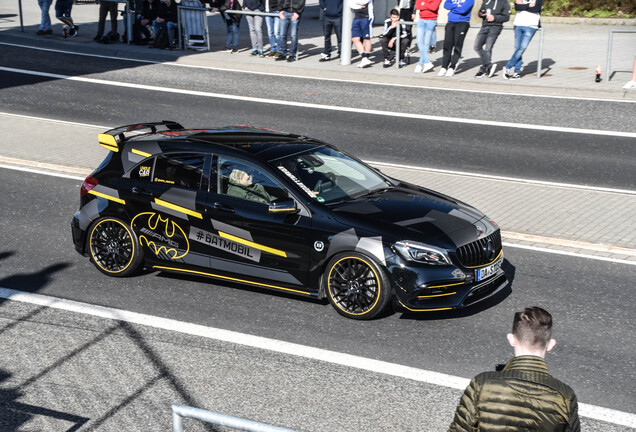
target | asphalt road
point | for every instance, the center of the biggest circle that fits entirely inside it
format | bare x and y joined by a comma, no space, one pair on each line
594,328
553,155
590,300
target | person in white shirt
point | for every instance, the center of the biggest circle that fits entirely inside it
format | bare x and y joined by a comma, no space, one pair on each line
526,23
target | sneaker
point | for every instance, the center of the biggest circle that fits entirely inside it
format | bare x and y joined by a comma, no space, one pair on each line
227,50
431,49
325,57
234,51
401,64
271,54
492,70
506,73
281,57
387,63
253,53
450,72
428,67
291,58
260,54
514,76
74,31
65,31
442,72
418,69
480,74
278,55
364,62
40,32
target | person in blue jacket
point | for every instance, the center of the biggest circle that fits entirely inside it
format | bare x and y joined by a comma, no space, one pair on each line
455,33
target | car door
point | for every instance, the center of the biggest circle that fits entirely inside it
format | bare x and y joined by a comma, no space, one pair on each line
249,242
166,200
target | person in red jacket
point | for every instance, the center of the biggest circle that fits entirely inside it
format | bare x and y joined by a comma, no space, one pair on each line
427,10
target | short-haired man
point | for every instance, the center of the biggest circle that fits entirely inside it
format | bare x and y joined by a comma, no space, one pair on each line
522,396
362,30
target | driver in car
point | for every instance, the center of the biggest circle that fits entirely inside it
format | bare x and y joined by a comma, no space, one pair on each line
241,186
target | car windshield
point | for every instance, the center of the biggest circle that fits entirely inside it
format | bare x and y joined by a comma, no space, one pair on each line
329,176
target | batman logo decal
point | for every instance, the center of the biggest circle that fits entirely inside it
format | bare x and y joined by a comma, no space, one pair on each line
161,235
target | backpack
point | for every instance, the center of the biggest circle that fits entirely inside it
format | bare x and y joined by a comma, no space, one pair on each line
161,38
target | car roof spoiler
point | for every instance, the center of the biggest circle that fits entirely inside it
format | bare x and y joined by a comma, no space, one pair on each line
112,139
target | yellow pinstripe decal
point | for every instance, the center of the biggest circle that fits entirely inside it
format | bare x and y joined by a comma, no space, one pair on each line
436,295
230,279
424,310
444,286
178,208
108,197
252,244
140,153
500,252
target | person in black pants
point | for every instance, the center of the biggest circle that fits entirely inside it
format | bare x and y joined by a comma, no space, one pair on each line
107,8
455,33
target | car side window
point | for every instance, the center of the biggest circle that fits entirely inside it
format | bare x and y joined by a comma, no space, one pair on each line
244,180
182,169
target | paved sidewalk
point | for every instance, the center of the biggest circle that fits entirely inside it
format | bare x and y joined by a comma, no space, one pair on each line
571,54
530,214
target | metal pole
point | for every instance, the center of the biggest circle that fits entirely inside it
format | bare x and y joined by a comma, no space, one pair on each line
21,22
345,39
609,55
540,54
177,421
221,420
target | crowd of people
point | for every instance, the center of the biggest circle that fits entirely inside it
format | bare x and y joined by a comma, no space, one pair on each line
156,23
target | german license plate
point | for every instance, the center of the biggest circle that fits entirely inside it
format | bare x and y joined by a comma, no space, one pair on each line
486,272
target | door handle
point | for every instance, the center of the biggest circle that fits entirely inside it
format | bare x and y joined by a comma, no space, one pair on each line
141,191
222,207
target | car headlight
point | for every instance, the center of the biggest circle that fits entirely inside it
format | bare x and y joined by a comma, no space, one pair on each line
420,252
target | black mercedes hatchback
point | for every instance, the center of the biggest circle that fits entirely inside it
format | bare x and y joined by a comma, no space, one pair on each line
283,212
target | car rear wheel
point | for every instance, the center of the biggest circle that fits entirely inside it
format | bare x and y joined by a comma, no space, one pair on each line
356,286
114,248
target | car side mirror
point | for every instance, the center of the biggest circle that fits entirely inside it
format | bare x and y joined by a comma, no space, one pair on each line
286,205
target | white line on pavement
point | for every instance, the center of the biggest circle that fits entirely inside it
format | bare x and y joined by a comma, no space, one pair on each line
409,116
377,366
289,75
568,253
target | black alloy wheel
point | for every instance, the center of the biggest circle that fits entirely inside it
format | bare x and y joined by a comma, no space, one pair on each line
357,287
114,248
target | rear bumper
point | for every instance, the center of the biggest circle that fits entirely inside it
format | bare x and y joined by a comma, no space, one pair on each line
79,236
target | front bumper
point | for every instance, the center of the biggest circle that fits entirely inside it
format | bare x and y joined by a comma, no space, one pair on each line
421,288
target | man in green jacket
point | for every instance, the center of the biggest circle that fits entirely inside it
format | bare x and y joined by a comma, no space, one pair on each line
522,396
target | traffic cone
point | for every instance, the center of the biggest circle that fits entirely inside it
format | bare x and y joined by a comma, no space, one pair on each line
598,73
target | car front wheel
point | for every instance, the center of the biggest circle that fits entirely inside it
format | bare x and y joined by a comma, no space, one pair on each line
114,248
356,286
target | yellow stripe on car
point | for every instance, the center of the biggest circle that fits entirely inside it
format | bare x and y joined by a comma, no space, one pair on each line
230,279
178,208
140,153
252,244
108,197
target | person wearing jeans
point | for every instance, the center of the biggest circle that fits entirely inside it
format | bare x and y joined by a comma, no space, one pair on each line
526,23
494,13
45,21
331,23
273,27
289,16
425,33
255,24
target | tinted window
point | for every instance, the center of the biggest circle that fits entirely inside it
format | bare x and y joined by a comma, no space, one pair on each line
184,169
243,180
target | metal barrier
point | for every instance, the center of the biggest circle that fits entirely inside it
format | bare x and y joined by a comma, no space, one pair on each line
181,411
205,21
610,38
539,61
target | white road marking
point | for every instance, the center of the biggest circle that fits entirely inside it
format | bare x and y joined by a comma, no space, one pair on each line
377,366
409,116
568,253
290,75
